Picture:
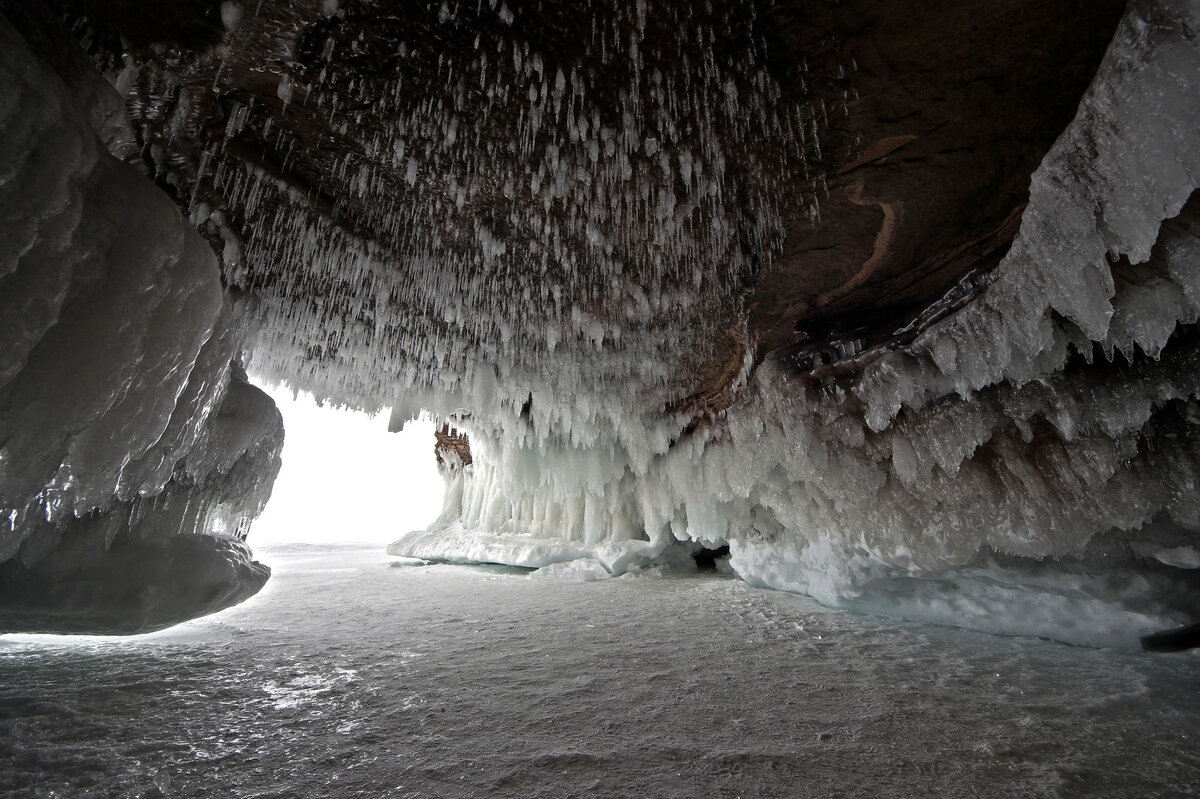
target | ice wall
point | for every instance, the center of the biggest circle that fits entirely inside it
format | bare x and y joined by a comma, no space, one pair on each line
1027,465
121,424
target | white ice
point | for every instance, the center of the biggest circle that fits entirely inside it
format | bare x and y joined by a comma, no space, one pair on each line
349,675
970,478
123,423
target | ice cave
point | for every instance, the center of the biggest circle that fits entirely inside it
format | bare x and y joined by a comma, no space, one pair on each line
881,317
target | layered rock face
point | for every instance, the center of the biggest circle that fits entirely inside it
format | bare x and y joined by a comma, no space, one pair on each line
898,302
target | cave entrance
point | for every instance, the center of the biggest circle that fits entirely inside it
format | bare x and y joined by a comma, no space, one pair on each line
345,478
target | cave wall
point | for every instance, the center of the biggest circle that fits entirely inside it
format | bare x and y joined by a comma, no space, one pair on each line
953,106
1020,452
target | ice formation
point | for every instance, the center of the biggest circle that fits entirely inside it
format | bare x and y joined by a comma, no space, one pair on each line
994,472
122,424
545,226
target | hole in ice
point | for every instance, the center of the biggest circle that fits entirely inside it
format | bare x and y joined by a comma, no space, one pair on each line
501,569
484,567
706,559
345,479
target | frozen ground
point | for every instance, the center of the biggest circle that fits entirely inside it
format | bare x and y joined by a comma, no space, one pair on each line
353,676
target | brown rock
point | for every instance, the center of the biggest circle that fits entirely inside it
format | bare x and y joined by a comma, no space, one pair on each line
957,103
453,449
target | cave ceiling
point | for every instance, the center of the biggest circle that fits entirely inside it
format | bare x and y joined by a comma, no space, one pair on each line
820,179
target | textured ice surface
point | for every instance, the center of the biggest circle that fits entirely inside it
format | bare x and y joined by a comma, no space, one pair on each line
995,473
348,676
112,297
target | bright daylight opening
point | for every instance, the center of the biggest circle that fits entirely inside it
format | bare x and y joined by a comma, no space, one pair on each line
345,478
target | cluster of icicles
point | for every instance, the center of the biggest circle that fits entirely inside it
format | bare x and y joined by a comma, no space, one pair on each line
597,212
1028,464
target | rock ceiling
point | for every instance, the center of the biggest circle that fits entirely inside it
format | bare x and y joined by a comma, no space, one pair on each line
816,174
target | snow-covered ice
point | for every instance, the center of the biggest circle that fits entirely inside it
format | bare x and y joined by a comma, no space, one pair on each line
353,675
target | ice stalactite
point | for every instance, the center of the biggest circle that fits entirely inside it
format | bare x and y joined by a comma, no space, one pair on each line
121,423
1028,464
504,195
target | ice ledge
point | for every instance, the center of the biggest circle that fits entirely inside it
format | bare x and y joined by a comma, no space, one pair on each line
455,543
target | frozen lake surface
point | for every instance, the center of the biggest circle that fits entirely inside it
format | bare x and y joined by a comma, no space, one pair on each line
354,676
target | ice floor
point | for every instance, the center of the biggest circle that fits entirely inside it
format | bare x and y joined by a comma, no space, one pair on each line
353,676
